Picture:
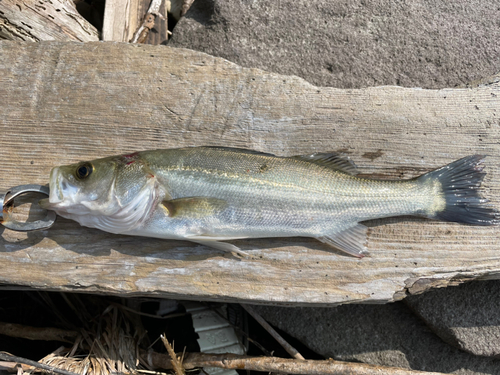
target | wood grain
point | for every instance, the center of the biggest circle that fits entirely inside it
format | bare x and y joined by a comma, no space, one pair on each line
65,102
123,18
36,20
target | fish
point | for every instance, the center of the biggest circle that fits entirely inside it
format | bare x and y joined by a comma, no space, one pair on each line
209,195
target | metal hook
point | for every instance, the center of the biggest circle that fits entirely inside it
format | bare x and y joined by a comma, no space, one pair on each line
7,202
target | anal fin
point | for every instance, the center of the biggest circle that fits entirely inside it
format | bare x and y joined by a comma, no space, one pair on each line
352,240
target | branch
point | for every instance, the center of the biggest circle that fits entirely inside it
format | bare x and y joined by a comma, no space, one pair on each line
37,333
274,364
148,23
289,348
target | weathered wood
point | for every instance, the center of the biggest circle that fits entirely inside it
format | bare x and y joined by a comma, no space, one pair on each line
65,102
122,19
279,365
36,20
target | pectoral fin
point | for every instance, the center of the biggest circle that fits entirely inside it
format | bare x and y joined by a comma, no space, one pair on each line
352,240
194,207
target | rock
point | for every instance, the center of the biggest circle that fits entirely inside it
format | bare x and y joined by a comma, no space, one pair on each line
465,316
351,44
388,335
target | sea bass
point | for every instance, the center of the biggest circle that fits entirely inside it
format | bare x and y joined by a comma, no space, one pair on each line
212,194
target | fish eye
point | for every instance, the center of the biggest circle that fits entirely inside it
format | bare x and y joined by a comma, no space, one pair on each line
84,170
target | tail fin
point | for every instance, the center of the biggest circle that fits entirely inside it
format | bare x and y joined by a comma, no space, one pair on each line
461,181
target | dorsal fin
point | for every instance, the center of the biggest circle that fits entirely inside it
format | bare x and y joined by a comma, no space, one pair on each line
331,160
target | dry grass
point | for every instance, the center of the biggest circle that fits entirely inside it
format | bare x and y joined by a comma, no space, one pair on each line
109,348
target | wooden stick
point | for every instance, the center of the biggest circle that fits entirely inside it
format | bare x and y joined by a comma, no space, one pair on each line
282,365
148,23
37,333
289,348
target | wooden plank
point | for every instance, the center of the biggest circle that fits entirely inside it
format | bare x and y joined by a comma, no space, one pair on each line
65,102
36,20
123,18
120,20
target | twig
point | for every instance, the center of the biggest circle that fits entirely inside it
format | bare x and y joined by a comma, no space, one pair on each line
176,364
282,365
37,333
149,372
289,348
12,366
170,316
242,332
148,23
25,361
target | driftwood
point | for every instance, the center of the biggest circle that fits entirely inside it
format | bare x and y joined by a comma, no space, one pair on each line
65,102
132,20
279,365
234,361
121,20
37,333
36,20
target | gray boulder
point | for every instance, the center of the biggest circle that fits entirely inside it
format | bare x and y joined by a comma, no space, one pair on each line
466,316
388,335
351,44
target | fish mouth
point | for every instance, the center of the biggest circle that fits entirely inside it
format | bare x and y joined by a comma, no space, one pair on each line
45,204
55,193
62,195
